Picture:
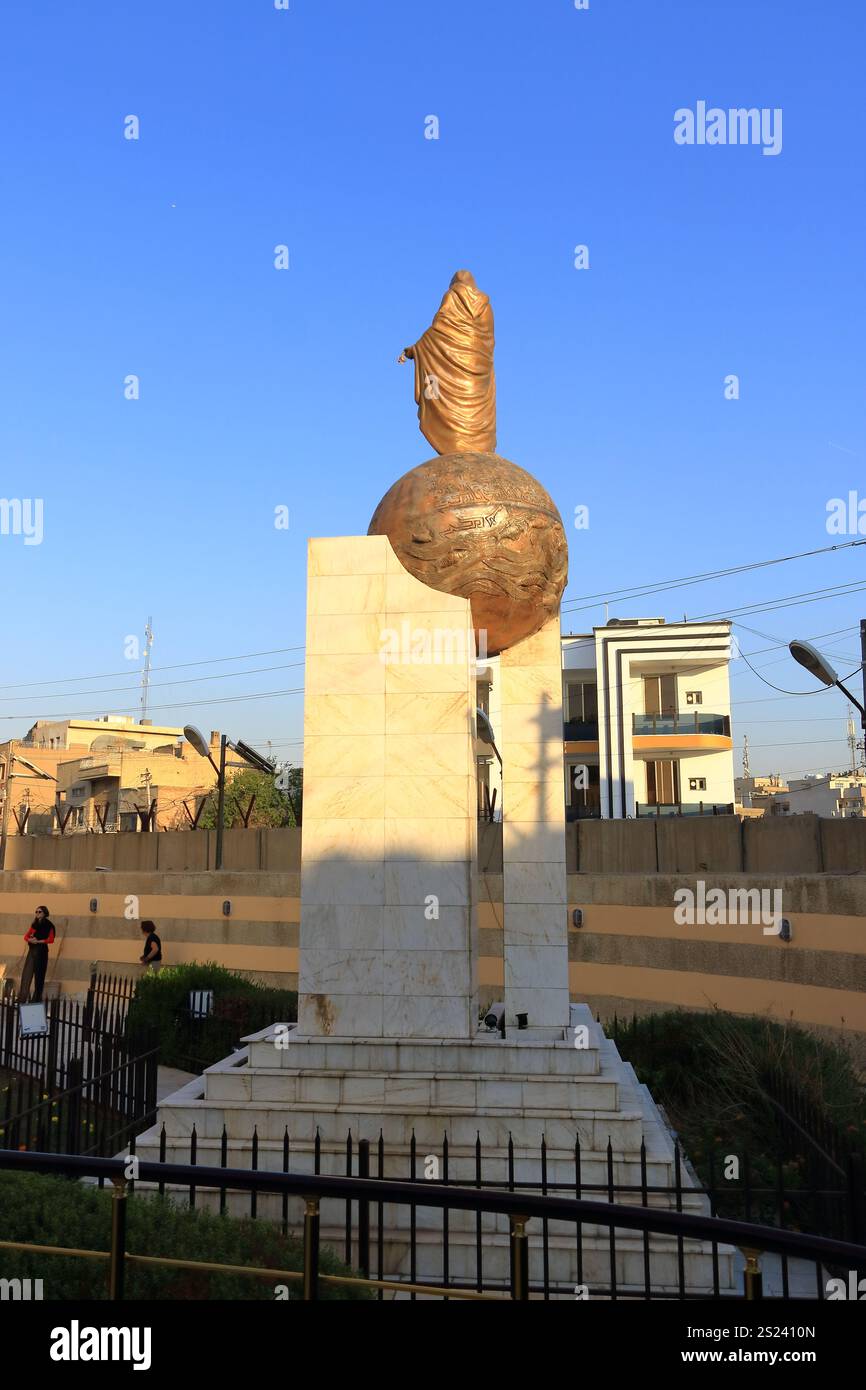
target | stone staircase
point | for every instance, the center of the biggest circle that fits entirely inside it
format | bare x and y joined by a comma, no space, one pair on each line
488,1090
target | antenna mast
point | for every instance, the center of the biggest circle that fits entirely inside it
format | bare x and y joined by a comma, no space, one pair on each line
852,739
145,673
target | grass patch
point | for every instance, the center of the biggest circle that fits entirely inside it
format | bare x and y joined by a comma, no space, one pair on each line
48,1210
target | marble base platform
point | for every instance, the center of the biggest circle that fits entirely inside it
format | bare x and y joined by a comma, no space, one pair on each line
486,1090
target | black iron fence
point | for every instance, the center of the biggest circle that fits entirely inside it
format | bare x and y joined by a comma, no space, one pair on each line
529,1220
97,1113
73,1025
775,1205
80,1086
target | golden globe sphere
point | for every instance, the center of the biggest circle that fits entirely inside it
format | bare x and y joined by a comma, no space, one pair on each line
481,527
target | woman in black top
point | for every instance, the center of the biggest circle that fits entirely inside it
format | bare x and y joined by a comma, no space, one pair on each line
152,947
39,936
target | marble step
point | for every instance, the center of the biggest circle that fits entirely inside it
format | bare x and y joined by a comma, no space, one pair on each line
431,1091
623,1128
484,1057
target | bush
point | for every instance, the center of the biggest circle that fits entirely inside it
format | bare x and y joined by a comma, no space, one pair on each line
55,1211
717,1076
711,1068
240,1007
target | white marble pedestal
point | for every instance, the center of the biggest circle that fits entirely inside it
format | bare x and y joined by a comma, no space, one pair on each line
486,1091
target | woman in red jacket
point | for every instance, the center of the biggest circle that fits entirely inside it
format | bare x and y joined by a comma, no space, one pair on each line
39,936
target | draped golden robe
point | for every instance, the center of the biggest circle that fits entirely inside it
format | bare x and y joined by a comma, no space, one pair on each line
455,385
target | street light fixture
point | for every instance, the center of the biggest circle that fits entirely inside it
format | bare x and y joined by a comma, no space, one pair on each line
195,738
484,732
818,666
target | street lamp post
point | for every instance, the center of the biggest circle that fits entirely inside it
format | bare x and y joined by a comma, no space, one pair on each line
818,666
250,757
221,801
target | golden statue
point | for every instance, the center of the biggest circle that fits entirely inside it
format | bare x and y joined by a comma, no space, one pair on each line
455,386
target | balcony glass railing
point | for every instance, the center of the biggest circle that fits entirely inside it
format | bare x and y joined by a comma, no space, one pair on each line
581,729
685,808
695,722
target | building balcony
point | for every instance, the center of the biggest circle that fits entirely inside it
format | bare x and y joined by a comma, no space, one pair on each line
661,735
684,808
693,722
582,729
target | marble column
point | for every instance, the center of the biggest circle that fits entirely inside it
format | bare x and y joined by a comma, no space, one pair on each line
533,831
390,828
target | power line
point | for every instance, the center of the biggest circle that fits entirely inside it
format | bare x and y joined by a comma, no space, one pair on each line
156,685
662,586
778,687
786,601
800,743
179,666
178,704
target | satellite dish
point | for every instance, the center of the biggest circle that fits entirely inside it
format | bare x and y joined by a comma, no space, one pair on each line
195,737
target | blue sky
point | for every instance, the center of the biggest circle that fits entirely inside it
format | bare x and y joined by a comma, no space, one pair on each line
261,388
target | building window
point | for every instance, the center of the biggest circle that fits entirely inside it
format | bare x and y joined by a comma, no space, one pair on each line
581,707
663,782
697,784
660,694
694,697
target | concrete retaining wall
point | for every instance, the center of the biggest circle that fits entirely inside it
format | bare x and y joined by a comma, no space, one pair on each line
171,851
258,937
717,844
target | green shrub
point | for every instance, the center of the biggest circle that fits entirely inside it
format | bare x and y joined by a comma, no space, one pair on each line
47,1210
240,1007
716,1075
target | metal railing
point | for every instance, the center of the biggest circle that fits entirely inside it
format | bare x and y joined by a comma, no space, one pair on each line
683,808
82,1086
529,1216
581,729
693,723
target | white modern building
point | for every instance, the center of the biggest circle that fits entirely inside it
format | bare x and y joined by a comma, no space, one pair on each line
647,711
840,795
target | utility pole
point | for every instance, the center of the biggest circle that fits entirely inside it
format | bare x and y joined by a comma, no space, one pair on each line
10,764
145,674
863,663
221,801
852,739
747,791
